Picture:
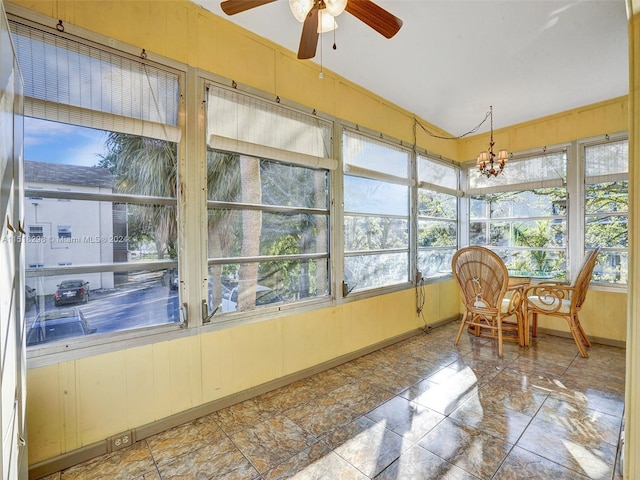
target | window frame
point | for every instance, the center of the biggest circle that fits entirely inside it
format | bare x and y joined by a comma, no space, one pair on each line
76,348
299,159
582,145
362,172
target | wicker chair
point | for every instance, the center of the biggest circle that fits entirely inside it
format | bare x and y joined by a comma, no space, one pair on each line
561,299
487,295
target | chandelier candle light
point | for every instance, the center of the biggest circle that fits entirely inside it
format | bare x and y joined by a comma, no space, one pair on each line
486,162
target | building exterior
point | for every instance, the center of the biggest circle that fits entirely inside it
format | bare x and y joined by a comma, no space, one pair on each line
67,231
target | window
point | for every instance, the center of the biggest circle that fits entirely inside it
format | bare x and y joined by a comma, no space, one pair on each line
64,231
100,133
606,209
522,215
268,203
36,231
437,216
376,212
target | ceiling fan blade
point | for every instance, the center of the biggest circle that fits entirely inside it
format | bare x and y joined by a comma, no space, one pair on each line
376,17
231,7
309,38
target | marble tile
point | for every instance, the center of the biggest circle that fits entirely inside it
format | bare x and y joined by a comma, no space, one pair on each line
356,392
317,462
129,463
272,441
492,418
443,397
419,464
179,440
367,445
329,380
408,419
574,450
592,397
320,416
392,379
512,395
466,447
242,415
595,426
221,461
521,464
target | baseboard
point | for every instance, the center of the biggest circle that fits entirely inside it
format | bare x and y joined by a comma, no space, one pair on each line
83,454
600,340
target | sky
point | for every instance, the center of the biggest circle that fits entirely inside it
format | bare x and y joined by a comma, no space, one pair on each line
53,142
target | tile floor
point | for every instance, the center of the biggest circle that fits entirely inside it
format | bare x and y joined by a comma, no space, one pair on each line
419,409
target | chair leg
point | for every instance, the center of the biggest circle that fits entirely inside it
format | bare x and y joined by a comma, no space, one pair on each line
499,323
462,324
577,336
521,326
582,334
534,324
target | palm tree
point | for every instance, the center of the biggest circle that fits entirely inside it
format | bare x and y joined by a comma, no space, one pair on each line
146,167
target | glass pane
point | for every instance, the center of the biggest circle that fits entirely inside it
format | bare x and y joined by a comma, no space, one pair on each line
436,234
239,116
67,170
528,203
362,195
609,231
243,233
368,271
60,70
274,183
257,232
274,282
550,167
365,152
534,263
437,173
79,305
435,262
375,233
607,197
612,267
607,159
434,204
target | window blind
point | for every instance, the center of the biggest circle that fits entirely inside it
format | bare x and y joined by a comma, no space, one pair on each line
437,176
608,162
70,82
543,171
242,123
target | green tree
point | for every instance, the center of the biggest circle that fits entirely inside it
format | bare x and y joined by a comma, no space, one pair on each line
146,167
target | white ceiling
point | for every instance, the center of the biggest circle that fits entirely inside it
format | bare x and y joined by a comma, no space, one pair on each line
452,59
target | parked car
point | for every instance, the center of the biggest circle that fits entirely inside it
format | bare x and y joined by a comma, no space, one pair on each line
30,297
170,277
71,291
57,325
264,296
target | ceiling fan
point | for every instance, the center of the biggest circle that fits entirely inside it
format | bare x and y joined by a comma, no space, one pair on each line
314,13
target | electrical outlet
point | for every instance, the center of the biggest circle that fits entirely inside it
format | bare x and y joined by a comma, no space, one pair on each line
120,441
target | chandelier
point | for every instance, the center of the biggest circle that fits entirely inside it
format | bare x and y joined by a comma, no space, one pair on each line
328,10
487,163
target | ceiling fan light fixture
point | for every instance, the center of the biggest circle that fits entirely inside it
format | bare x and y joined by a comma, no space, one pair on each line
326,22
300,8
335,7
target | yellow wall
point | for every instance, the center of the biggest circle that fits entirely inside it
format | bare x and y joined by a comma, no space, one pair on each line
76,403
